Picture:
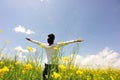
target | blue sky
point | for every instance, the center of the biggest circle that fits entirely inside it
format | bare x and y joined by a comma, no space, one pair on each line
96,21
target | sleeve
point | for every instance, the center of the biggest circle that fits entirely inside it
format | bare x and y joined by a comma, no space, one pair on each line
62,43
36,42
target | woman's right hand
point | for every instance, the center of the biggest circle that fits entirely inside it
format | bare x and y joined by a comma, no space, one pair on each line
28,39
79,40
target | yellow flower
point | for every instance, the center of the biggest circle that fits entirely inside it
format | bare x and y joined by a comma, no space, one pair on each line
11,66
71,74
56,75
55,59
56,48
1,31
2,63
29,48
7,41
16,63
46,76
62,43
28,67
112,78
79,72
42,45
65,58
72,68
88,77
23,71
62,67
4,70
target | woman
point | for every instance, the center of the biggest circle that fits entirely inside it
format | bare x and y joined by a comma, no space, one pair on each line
51,50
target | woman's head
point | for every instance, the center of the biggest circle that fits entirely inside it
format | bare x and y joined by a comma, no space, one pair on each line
51,38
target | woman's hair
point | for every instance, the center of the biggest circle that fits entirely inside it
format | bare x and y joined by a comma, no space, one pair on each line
51,38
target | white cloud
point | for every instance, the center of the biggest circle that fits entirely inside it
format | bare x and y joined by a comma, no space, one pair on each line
22,29
105,58
20,49
43,0
20,52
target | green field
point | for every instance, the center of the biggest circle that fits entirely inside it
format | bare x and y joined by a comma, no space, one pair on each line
11,69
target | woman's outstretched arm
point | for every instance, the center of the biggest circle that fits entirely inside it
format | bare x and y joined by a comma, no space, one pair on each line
69,42
34,41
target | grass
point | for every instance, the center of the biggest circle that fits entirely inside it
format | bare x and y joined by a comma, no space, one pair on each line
13,69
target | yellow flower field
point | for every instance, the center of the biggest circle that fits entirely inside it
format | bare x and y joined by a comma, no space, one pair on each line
13,70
